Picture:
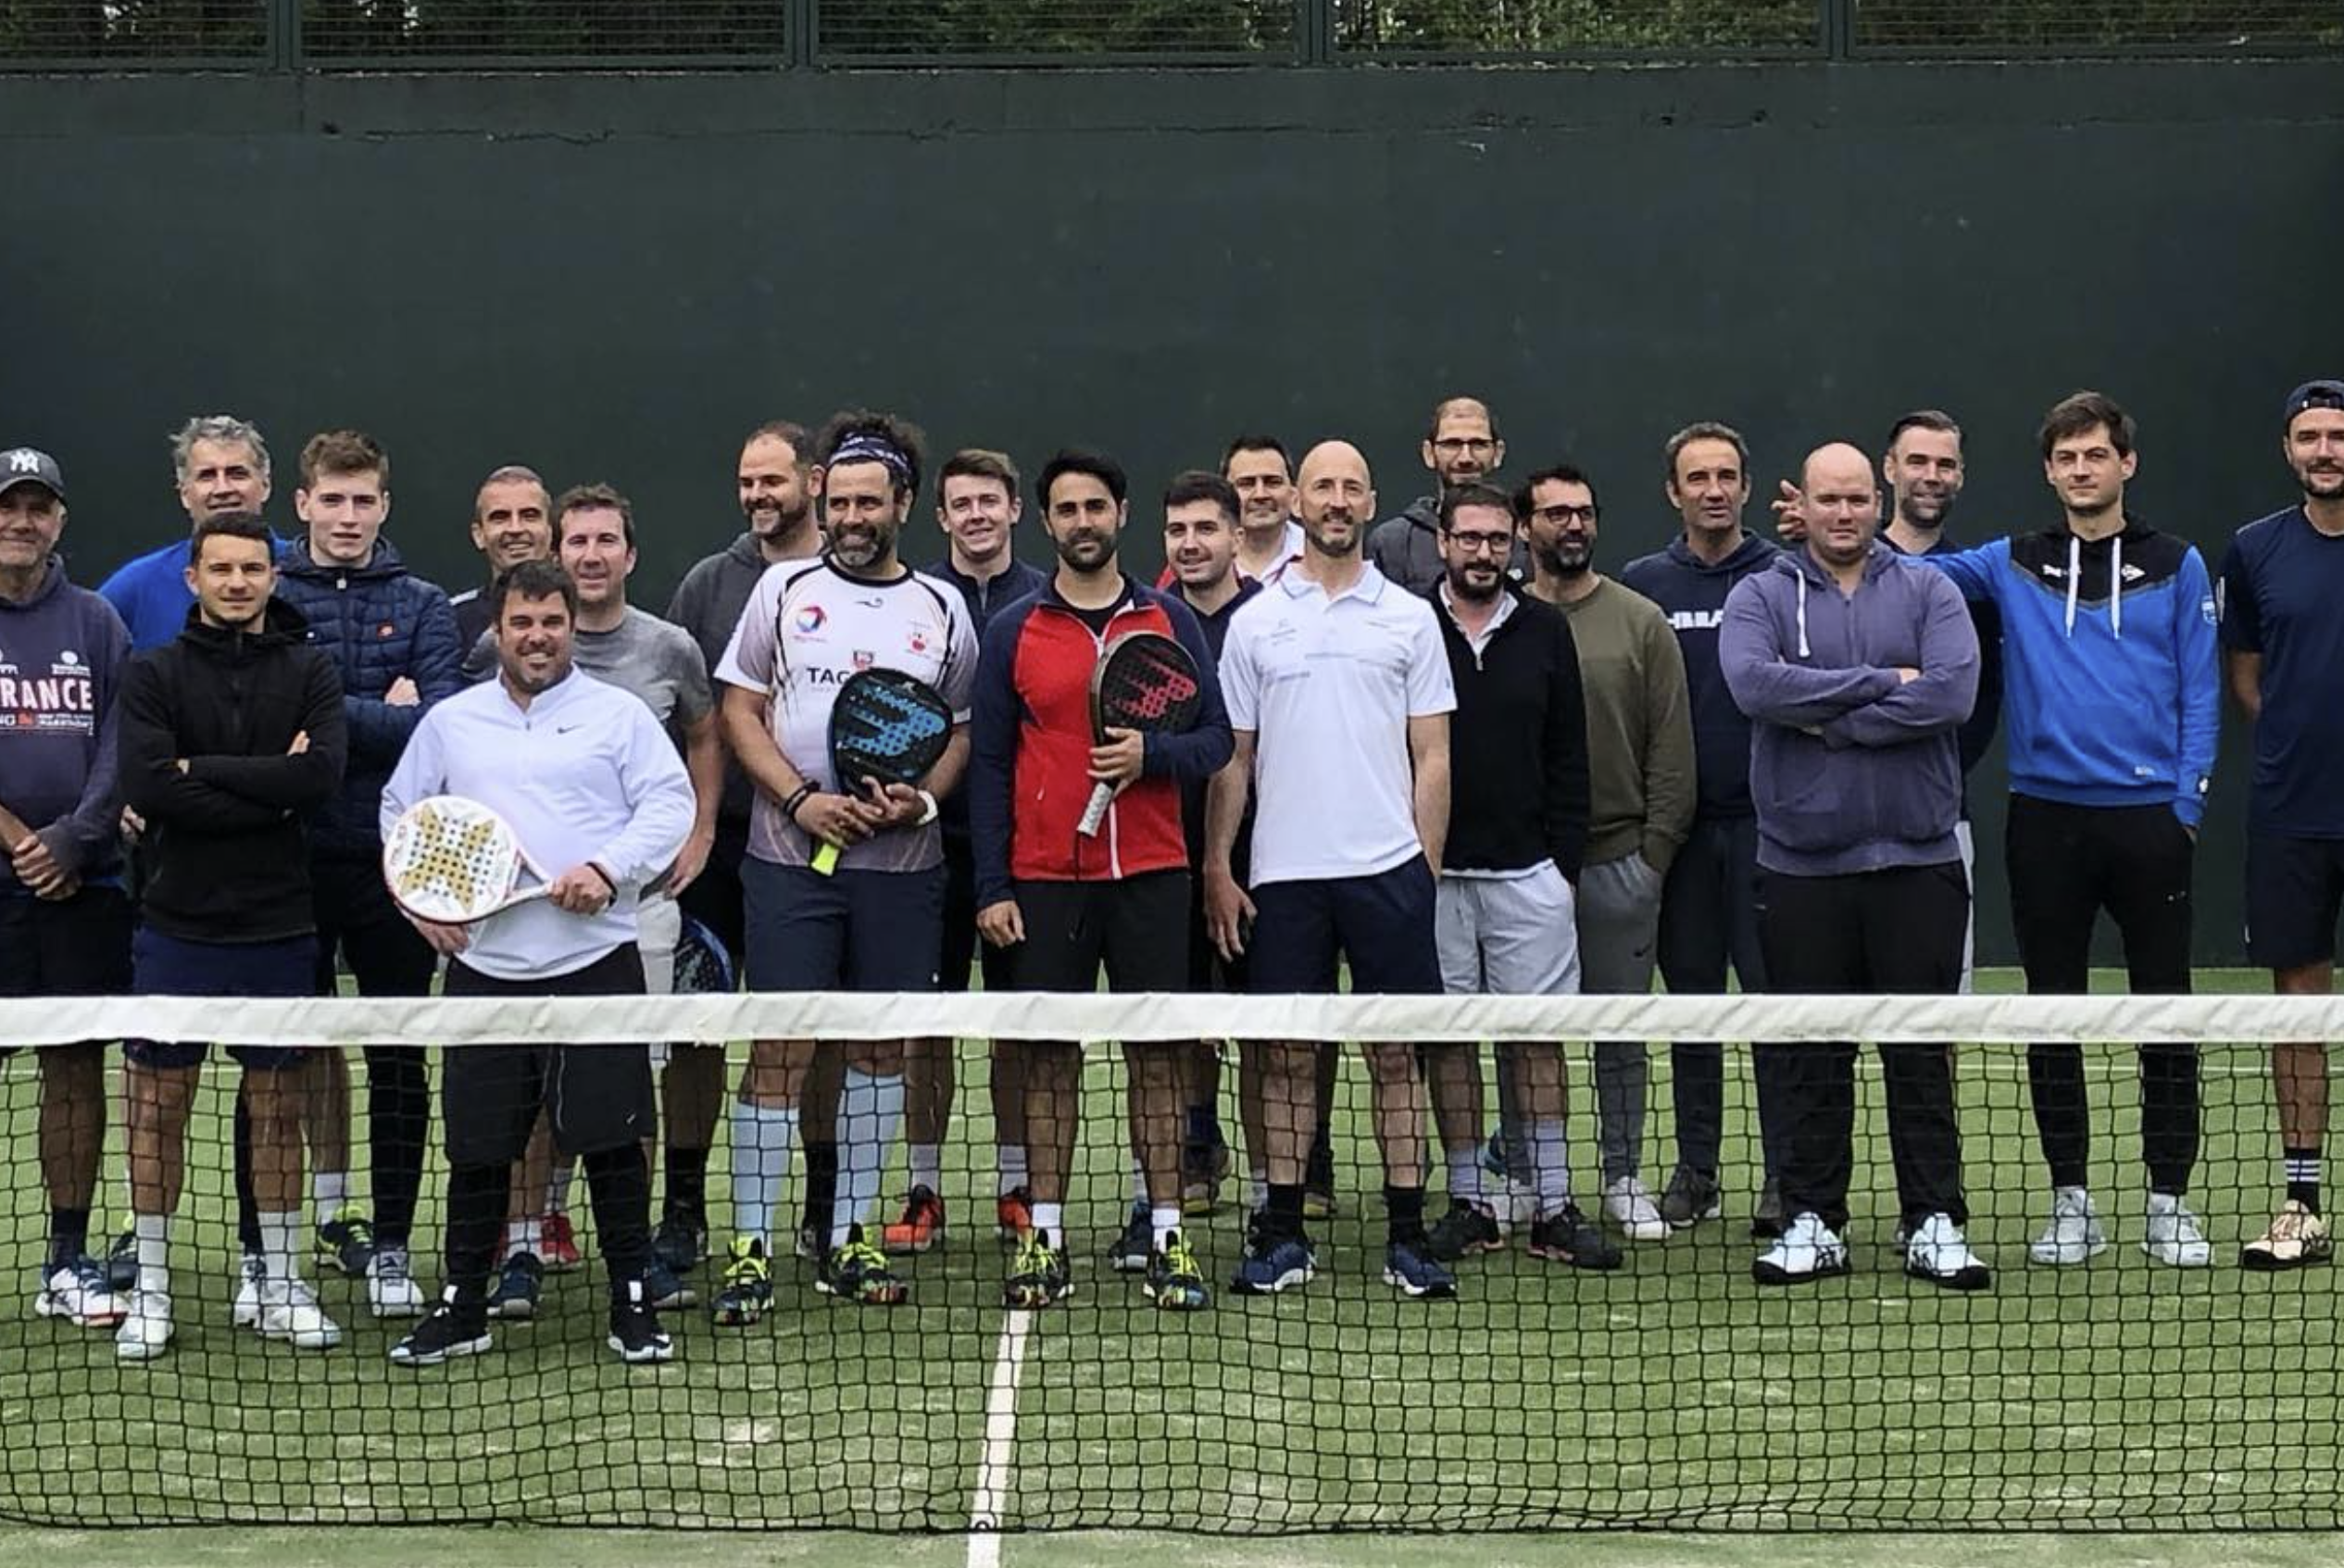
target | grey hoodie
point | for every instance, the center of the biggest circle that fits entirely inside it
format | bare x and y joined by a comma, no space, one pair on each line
709,604
1407,548
1852,768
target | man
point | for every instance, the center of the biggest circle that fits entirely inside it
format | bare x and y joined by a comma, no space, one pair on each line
1517,836
220,464
1064,906
512,521
229,737
778,486
2114,706
876,924
977,508
2283,653
1258,469
392,637
1461,447
1856,672
606,799
1639,744
64,922
1709,905
1333,672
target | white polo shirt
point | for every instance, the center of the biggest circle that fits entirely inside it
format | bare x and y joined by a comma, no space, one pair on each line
1328,685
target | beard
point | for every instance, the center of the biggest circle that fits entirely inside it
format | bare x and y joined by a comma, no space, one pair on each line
771,522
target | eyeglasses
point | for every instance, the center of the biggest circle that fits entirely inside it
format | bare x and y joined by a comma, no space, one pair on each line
1560,515
1464,443
1478,544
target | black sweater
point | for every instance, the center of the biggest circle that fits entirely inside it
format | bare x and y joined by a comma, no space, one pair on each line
1517,743
226,852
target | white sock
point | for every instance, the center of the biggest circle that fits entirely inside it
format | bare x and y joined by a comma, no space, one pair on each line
1139,1184
1010,1159
870,1108
762,1136
280,1238
524,1236
1164,1221
557,1190
1550,1158
329,1190
1464,1175
927,1166
1050,1220
154,1235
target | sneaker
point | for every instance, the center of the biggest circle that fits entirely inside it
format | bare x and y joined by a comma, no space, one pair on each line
921,1228
1136,1246
390,1290
1039,1275
1808,1250
1271,1265
145,1332
288,1311
858,1272
558,1244
517,1285
121,1263
681,1243
2298,1235
1939,1254
1013,1213
1572,1238
636,1333
2074,1234
811,1243
748,1285
1203,1167
1408,1271
1627,1203
667,1289
1690,1198
2173,1237
451,1331
346,1242
1766,1220
1466,1229
79,1293
250,1272
1174,1281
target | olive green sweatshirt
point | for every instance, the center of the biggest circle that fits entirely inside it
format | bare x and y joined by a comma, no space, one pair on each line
1639,726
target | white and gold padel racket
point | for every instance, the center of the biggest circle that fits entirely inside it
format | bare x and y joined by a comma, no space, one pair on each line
454,860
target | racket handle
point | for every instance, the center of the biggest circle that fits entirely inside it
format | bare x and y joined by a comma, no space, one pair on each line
1095,813
825,857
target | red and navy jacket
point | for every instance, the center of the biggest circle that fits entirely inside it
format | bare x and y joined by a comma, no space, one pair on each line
1029,751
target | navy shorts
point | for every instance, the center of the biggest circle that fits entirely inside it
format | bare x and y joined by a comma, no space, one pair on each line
77,946
1383,925
173,966
1135,927
850,931
2295,890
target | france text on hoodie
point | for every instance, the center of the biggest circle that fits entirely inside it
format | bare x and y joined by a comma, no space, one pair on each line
1691,592
62,651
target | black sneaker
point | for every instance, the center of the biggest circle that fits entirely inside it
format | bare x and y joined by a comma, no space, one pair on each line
1467,1228
1569,1237
681,1243
346,1242
454,1329
1136,1246
636,1333
121,1265
517,1288
1690,1199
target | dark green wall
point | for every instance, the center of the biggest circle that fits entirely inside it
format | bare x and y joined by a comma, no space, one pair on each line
612,277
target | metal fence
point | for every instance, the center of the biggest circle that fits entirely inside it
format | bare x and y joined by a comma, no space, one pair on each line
330,35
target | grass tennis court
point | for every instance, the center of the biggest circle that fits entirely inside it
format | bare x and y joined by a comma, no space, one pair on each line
1673,1394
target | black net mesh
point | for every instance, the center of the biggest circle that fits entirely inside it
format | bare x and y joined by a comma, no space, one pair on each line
1238,29
134,30
1576,26
2045,27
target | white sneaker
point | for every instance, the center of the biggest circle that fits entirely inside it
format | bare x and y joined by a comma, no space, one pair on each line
2074,1235
1808,1250
1627,1203
245,1313
2172,1235
147,1328
1938,1253
390,1289
79,1294
289,1313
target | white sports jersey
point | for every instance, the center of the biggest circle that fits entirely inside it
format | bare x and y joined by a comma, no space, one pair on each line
807,627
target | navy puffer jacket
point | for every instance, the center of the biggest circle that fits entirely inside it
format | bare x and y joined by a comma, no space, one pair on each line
379,622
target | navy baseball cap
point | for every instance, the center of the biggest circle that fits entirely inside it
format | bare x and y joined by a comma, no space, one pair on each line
22,465
2328,393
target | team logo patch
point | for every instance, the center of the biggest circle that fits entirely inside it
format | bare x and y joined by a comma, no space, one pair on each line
386,631
809,620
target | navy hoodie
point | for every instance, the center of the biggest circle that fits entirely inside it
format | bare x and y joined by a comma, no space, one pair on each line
1692,592
62,650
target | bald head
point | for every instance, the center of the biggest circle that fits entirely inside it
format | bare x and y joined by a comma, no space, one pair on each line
1461,443
1342,455
1842,505
1836,461
1336,498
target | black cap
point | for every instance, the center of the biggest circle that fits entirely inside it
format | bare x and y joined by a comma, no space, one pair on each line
2328,393
22,465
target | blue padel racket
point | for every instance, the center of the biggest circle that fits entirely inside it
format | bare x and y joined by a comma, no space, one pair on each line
702,965
886,727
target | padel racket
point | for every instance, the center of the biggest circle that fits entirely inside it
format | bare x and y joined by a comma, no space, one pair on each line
885,727
1147,682
456,861
701,962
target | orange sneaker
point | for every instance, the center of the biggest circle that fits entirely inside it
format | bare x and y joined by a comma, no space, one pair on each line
558,1245
1013,1211
921,1228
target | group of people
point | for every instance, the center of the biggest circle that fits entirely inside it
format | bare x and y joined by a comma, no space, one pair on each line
1446,752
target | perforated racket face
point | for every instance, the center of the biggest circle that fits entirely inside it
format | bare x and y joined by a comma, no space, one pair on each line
1147,682
701,962
451,859
888,726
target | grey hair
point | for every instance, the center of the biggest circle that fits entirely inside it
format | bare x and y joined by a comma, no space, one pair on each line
216,427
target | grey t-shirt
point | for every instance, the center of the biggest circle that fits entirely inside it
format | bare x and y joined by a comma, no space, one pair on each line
655,659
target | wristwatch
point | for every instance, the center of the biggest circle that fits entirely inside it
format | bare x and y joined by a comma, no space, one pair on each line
927,807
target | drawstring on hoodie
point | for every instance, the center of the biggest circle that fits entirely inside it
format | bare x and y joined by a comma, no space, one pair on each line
2115,582
1802,614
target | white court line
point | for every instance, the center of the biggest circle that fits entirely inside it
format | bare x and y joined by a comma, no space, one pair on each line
994,1471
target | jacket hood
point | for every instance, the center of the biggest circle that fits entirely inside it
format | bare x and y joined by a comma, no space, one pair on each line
1423,512
1752,550
746,550
280,625
51,580
1802,563
384,562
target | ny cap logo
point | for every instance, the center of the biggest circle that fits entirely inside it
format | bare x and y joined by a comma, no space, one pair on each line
24,461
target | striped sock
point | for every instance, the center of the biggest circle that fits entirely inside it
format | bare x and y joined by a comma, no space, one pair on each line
2302,1170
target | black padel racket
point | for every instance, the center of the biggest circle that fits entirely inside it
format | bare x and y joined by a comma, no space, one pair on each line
1147,682
885,727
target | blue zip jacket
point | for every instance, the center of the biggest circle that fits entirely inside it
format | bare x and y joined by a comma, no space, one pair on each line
1852,767
379,622
1691,592
2110,698
149,592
